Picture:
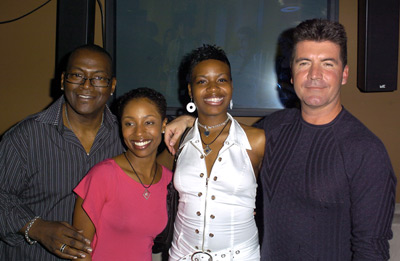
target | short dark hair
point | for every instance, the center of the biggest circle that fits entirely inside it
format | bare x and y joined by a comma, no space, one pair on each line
320,30
93,48
203,53
153,96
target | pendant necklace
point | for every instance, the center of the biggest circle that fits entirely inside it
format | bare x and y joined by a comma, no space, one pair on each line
207,150
146,193
207,128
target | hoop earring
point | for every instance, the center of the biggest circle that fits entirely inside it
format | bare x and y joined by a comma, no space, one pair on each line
231,104
191,107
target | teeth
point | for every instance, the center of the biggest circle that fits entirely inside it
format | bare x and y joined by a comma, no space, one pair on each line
213,99
84,96
142,143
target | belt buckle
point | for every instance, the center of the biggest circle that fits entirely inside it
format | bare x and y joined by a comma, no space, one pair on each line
201,256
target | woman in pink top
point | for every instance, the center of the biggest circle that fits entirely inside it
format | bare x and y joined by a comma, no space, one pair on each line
121,202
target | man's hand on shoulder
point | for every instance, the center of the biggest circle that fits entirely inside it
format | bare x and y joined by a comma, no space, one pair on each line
175,129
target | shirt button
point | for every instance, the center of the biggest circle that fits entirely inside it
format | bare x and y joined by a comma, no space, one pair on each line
197,231
199,194
196,247
201,157
237,252
208,250
219,159
201,175
211,235
198,213
212,216
213,197
215,178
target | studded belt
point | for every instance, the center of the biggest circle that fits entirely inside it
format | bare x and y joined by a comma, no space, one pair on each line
223,255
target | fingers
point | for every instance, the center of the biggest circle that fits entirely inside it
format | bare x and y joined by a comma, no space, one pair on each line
68,252
75,246
175,129
170,139
76,238
62,239
79,242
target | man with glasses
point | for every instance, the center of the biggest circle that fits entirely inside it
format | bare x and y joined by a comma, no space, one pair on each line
44,156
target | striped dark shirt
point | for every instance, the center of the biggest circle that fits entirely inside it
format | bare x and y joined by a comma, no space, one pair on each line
41,161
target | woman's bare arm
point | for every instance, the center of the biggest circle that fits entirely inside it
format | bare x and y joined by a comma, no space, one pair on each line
257,142
82,222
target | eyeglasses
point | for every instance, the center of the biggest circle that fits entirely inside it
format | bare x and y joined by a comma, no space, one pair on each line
97,81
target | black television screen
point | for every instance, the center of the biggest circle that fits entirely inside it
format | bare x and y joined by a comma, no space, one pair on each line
152,36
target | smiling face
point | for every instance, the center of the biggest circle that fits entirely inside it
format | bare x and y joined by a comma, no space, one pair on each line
211,88
317,75
142,125
84,98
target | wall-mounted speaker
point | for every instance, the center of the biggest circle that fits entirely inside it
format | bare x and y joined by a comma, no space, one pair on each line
378,43
75,25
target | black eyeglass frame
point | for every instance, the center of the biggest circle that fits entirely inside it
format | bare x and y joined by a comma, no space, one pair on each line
83,80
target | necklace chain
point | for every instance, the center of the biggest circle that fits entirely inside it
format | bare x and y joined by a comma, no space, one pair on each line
207,150
146,193
207,128
66,116
69,124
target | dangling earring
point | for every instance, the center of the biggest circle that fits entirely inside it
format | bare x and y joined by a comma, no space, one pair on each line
191,107
231,104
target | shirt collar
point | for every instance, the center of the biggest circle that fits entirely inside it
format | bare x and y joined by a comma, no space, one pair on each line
53,115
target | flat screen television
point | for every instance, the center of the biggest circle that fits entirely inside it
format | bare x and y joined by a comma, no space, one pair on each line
148,39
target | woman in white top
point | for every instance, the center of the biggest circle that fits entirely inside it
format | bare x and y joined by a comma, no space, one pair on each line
216,170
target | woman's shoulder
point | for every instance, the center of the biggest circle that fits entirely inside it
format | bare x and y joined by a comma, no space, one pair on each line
253,134
107,163
103,169
256,138
166,173
251,130
100,175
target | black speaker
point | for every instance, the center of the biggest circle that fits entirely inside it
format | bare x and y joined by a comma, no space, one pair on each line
75,25
378,43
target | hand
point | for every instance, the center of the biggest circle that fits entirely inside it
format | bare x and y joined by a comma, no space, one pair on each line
175,129
52,235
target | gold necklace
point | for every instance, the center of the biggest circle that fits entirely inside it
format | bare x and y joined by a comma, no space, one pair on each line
66,116
146,193
69,124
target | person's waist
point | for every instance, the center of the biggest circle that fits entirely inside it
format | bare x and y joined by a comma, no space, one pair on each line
220,246
218,235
